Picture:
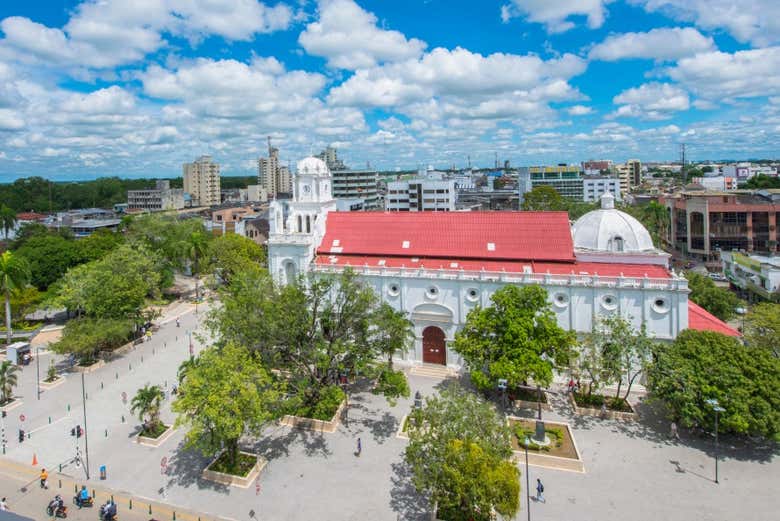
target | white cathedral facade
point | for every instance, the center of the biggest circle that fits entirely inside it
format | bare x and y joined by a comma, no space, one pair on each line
437,266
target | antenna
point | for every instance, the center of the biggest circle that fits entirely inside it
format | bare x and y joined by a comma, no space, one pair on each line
496,160
469,159
682,163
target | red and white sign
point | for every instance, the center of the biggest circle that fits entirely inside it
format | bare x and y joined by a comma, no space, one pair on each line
163,464
22,417
257,486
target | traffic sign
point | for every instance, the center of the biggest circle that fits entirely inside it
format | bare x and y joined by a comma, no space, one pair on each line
124,397
257,486
22,417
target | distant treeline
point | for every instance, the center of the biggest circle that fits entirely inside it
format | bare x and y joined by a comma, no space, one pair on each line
40,195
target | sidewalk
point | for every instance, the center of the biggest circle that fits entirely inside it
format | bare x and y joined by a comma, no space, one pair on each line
19,485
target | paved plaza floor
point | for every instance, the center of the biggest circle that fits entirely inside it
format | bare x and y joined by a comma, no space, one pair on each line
632,469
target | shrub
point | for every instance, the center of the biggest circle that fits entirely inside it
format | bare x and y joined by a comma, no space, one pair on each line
329,401
392,384
595,401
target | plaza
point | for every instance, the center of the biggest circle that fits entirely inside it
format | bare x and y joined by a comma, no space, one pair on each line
629,467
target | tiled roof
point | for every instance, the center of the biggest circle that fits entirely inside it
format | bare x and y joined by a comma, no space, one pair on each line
700,319
518,236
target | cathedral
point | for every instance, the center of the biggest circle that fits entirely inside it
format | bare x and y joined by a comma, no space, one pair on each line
437,266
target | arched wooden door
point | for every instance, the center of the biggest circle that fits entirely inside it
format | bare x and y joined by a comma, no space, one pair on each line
434,346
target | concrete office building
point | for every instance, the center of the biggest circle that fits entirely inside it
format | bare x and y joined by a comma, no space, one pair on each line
593,187
202,181
756,274
161,198
567,180
701,223
421,195
357,184
273,176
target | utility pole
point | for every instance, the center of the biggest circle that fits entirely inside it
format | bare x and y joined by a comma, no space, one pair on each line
38,371
86,436
682,163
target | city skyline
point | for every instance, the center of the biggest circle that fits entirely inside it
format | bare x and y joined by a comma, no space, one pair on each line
110,88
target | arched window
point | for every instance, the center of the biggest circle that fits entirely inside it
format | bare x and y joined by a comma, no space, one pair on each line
308,224
300,224
617,243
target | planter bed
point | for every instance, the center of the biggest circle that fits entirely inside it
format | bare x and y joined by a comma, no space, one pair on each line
232,480
612,414
51,385
13,404
88,368
401,432
525,399
300,422
159,440
561,454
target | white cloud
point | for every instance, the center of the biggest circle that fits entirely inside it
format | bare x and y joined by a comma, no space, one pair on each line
719,75
656,44
111,100
579,110
755,21
349,38
556,14
652,101
106,33
10,120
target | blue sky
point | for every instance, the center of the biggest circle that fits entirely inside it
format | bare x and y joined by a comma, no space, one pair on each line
137,87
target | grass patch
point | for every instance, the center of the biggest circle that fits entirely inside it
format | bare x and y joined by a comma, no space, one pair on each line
526,395
242,467
22,326
153,431
595,401
561,443
523,431
329,402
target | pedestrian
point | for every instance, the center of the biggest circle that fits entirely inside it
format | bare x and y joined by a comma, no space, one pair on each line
540,491
673,431
359,448
44,478
571,385
604,410
3,505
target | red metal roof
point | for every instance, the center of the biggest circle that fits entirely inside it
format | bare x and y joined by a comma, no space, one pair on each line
542,236
555,268
30,216
700,319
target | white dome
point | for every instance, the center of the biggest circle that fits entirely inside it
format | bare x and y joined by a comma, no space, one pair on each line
611,230
313,166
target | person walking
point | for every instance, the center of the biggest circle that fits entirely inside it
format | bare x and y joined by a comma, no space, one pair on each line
3,505
359,448
44,477
673,431
540,491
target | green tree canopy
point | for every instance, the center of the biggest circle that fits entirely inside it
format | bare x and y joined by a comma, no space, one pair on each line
653,215
762,328
762,181
146,403
224,396
8,380
517,338
702,365
49,257
7,220
721,302
458,452
14,274
86,337
232,253
544,198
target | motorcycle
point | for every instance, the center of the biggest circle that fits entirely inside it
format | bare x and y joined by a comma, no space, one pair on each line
56,509
104,514
82,502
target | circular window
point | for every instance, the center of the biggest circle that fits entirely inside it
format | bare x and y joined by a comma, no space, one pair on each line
609,302
660,305
561,300
432,292
472,294
393,290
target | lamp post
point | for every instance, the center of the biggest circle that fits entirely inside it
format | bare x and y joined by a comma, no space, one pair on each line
38,371
718,409
502,383
527,481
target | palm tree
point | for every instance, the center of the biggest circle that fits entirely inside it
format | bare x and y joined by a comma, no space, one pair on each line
197,245
7,220
14,274
146,403
7,380
185,368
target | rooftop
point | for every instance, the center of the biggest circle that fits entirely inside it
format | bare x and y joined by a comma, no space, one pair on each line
701,320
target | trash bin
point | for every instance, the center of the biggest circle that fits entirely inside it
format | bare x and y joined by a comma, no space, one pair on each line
102,472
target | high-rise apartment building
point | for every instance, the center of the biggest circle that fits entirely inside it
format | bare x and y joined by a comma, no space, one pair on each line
630,174
202,182
272,176
331,158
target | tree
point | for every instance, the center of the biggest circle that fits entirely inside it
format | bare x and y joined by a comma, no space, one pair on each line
49,257
762,328
14,274
762,181
614,352
231,254
702,365
719,301
653,215
7,381
196,247
98,245
7,220
391,332
543,198
147,402
226,395
458,452
517,338
85,337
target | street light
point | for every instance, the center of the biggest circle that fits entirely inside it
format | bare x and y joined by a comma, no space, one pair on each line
527,480
502,383
712,402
